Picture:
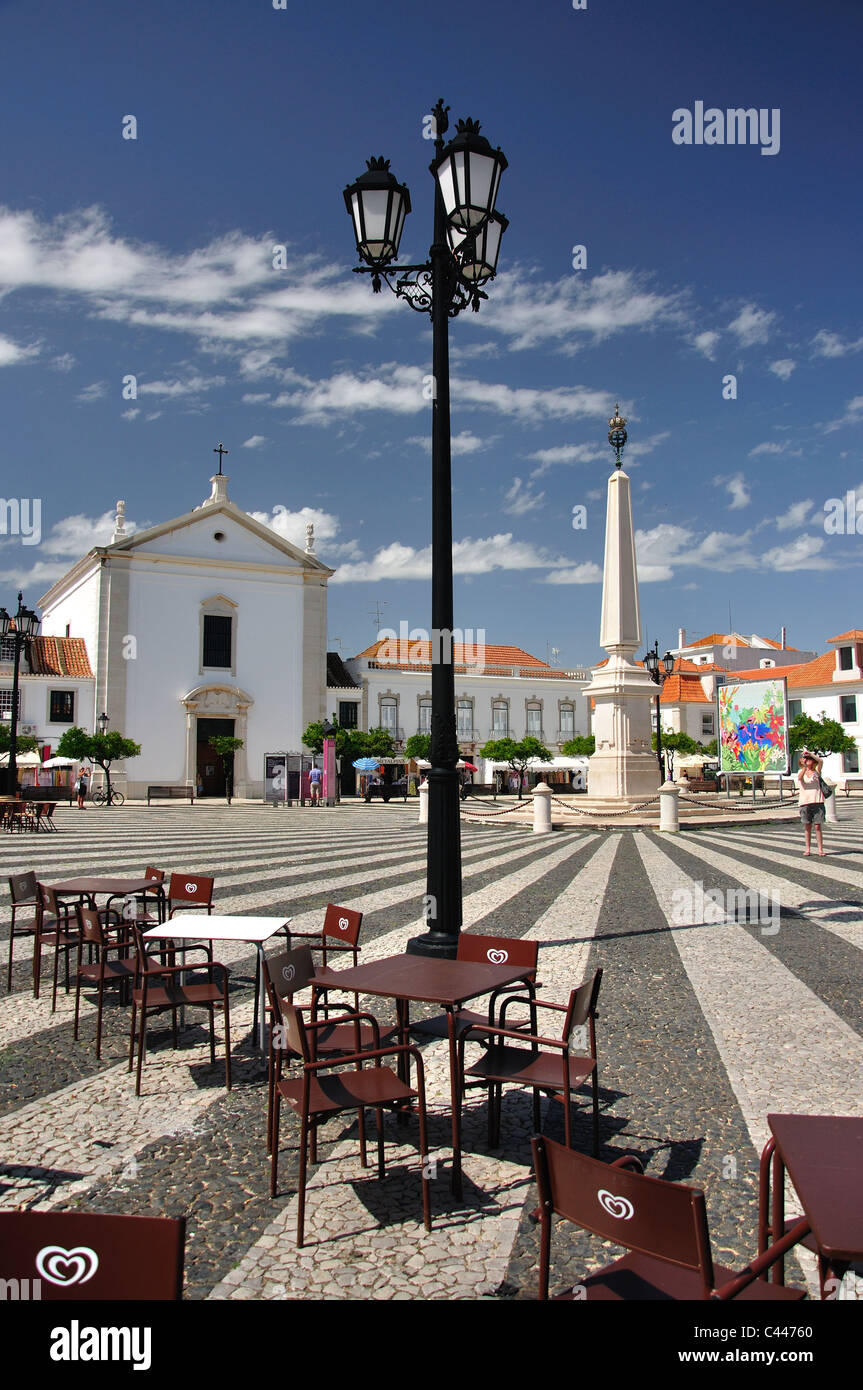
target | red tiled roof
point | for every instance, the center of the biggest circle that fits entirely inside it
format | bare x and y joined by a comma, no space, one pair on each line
855,635
59,656
417,654
816,672
683,690
716,637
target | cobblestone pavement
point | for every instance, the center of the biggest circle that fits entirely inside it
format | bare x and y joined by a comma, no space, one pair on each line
712,1013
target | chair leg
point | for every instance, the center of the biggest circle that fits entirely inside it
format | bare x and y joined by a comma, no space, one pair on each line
99,1014
381,1164
174,1026
301,1204
212,1035
77,1008
56,967
274,1141
9,973
37,965
595,1116
227,1043
426,1189
313,1139
132,1034
142,1043
490,1115
567,1119
537,1116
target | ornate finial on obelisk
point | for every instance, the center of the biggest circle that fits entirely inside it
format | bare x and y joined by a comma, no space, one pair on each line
310,538
617,433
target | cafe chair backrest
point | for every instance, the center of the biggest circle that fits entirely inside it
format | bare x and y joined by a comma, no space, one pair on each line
78,1255
22,888
157,875
294,1034
289,971
582,1004
91,927
48,900
644,1214
343,923
497,950
190,888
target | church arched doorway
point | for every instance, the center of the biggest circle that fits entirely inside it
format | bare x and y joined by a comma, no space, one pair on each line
210,772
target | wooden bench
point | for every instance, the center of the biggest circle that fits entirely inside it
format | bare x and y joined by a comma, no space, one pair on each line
171,793
846,783
700,784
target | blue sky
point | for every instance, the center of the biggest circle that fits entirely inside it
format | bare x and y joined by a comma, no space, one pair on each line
154,257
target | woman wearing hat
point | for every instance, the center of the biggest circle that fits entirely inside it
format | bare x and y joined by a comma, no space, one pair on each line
811,800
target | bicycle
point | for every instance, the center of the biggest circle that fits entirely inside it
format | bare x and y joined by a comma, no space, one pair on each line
100,797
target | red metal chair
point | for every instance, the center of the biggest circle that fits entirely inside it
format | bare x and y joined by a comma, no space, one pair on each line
78,1255
158,987
24,895
663,1226
494,950
192,891
557,1073
340,932
317,1096
100,971
154,897
285,975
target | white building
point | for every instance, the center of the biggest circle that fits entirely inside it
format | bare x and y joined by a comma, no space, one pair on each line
500,692
55,687
206,624
732,651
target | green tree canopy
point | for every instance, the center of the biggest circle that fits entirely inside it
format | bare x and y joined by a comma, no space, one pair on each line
418,746
584,746
517,754
819,736
225,746
23,744
674,743
103,749
351,743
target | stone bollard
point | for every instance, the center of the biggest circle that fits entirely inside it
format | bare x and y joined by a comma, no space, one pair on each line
669,810
541,809
830,809
424,803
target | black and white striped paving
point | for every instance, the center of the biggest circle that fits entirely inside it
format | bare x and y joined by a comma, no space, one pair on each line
731,988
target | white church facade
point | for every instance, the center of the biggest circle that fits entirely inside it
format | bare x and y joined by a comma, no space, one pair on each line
207,624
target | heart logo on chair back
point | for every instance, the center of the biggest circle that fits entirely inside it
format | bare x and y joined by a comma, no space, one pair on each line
288,973
191,887
618,1207
64,1267
498,957
343,924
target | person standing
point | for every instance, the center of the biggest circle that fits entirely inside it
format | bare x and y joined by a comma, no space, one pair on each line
81,788
315,779
811,800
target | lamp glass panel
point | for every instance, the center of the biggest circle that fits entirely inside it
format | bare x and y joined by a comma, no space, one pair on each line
446,185
376,210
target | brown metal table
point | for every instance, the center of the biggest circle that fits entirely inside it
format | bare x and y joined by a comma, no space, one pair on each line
114,887
823,1156
426,980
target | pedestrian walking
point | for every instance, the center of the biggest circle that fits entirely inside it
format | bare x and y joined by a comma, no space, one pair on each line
81,788
811,801
315,779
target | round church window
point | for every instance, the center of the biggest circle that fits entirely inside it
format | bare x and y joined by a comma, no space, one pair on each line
218,535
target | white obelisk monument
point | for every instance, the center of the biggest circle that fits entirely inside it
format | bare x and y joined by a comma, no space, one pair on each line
623,766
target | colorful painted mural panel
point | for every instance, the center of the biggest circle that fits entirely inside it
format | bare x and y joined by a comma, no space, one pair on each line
753,726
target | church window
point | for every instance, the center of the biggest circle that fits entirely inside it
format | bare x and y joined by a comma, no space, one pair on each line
217,641
348,714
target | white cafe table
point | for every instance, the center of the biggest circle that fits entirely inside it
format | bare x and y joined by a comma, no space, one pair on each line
197,926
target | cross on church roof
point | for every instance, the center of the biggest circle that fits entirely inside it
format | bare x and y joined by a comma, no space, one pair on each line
220,451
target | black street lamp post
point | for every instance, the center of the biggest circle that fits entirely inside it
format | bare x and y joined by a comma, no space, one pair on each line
20,627
659,674
463,257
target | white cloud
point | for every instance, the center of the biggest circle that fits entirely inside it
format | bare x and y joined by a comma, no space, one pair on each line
853,415
826,344
255,397
783,367
529,311
706,342
586,573
12,353
566,453
254,441
803,553
292,525
796,515
465,442
752,325
770,447
736,488
131,412
94,392
481,556
192,386
64,363
521,499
